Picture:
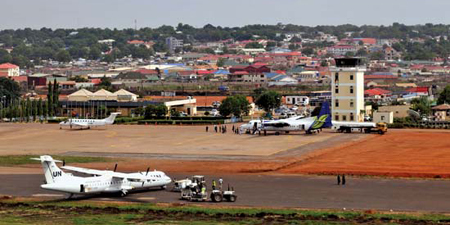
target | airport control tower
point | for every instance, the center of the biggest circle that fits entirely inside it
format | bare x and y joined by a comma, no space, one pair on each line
347,84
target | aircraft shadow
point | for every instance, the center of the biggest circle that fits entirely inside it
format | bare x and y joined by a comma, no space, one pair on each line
112,196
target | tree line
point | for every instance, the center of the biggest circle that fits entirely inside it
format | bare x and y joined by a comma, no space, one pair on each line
31,46
16,108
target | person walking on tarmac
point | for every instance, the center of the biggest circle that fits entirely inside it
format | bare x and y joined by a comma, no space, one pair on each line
343,179
207,128
338,180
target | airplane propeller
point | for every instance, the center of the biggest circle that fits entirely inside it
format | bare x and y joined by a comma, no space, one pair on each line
115,167
148,169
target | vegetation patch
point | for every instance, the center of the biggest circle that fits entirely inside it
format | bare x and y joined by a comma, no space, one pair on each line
15,160
25,212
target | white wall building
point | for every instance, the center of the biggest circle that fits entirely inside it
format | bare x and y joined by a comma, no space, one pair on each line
347,84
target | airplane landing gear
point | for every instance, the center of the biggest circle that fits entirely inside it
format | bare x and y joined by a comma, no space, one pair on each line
124,193
70,196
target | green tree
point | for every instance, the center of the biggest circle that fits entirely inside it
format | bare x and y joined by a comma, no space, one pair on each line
376,55
308,51
34,105
422,105
220,62
63,56
254,45
40,108
95,53
161,110
444,96
258,92
55,97
9,90
105,82
174,112
45,110
269,100
50,99
79,79
234,105
28,110
109,58
150,111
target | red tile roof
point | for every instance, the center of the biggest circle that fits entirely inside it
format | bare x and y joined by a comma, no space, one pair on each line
240,73
442,107
8,66
146,71
376,91
380,77
418,90
202,72
135,42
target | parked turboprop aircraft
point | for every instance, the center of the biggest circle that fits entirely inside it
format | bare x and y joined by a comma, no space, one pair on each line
88,123
309,125
101,181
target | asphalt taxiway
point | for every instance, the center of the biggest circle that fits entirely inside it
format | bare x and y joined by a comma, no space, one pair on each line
282,191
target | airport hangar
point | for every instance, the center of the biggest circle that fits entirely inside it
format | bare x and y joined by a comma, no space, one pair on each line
84,102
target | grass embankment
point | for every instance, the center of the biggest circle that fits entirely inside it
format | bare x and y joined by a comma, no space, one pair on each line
17,160
27,212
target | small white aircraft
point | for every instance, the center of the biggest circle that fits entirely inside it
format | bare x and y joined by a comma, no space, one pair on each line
88,123
101,181
299,123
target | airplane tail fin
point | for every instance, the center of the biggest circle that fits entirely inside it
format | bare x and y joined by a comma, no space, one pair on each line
111,118
51,171
325,111
323,120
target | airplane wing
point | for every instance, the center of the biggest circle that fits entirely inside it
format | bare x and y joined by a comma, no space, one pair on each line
276,124
117,175
86,171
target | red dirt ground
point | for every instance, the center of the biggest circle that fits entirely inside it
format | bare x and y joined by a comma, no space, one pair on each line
399,153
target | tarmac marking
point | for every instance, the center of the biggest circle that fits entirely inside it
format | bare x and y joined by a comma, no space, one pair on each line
48,195
146,198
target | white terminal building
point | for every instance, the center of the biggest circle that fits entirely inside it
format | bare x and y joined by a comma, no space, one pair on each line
347,84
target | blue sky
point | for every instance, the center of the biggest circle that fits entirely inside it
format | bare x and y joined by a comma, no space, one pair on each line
154,13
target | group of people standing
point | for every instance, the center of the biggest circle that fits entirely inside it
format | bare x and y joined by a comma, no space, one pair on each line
223,129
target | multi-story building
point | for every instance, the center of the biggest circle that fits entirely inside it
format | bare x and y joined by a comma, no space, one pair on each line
9,70
347,84
173,43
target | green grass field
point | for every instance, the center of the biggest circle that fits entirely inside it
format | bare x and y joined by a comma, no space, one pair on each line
16,160
28,212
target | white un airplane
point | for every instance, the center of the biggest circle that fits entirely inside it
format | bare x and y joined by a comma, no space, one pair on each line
88,123
101,181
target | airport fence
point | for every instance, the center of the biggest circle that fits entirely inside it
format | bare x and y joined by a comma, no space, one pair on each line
430,125
181,122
